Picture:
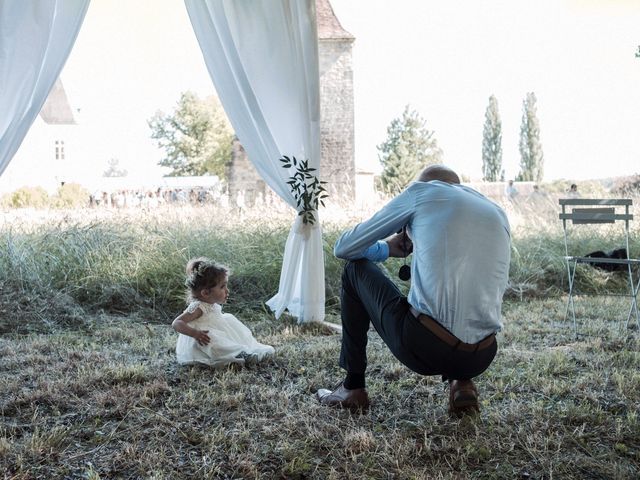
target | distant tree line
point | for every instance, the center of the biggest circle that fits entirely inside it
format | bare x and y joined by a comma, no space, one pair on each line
196,138
410,146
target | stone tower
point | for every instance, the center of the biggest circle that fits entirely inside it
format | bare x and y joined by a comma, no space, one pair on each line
337,157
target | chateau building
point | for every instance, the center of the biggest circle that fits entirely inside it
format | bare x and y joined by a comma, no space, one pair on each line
54,130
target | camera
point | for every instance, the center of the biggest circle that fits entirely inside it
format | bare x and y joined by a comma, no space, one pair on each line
404,273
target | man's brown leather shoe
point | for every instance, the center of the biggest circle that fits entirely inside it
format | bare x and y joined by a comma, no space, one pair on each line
341,397
463,398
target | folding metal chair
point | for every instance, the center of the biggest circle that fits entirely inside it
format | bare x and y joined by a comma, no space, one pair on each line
582,211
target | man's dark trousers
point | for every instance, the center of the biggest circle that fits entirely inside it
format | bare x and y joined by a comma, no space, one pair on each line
369,296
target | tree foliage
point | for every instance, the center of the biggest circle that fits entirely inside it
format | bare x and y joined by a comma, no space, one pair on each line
409,147
71,195
531,156
23,197
492,143
114,170
196,136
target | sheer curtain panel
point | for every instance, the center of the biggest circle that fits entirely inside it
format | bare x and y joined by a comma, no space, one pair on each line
262,56
36,37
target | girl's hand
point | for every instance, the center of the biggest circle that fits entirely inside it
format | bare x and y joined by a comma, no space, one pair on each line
202,338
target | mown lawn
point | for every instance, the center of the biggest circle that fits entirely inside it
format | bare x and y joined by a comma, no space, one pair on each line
107,400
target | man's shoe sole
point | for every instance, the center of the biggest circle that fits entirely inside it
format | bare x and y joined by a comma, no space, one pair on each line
465,403
337,404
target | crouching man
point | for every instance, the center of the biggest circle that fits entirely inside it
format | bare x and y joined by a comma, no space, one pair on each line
460,267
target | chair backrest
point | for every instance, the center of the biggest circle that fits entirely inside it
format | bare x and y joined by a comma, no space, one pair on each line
595,211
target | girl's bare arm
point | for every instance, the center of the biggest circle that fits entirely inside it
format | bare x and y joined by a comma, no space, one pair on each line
180,325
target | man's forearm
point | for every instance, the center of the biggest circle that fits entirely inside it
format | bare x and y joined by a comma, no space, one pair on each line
364,240
378,252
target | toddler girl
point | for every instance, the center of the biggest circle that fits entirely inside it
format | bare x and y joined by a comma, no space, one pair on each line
206,335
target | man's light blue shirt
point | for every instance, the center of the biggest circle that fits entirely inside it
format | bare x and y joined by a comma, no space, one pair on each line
461,253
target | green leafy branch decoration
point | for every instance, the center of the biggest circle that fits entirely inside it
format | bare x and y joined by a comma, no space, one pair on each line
307,189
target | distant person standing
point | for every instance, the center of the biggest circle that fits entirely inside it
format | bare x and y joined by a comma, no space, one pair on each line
119,200
240,203
511,191
573,191
537,194
223,200
259,201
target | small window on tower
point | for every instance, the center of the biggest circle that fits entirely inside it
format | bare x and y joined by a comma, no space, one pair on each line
59,149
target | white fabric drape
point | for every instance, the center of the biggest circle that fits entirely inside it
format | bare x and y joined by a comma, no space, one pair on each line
263,59
35,40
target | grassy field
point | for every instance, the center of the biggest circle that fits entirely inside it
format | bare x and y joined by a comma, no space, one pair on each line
89,386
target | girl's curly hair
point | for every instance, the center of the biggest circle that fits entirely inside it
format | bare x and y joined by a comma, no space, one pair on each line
203,273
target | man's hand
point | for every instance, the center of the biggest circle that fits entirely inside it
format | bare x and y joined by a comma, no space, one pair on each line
400,245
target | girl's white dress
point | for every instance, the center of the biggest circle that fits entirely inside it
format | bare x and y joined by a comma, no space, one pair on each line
231,341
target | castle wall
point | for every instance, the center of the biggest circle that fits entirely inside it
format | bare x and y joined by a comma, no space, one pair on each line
337,163
243,177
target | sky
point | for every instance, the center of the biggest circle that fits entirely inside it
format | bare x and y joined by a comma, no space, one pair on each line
443,59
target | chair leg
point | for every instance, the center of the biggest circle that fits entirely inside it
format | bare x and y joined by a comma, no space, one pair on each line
633,309
570,302
634,306
635,303
634,300
573,315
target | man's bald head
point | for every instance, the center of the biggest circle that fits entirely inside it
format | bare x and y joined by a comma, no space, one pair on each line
439,172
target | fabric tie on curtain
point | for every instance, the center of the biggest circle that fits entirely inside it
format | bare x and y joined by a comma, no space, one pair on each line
36,38
263,59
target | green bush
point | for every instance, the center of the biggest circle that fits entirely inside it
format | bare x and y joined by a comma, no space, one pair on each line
71,195
627,186
36,197
586,188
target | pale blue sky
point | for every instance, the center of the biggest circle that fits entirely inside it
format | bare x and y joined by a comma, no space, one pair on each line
442,58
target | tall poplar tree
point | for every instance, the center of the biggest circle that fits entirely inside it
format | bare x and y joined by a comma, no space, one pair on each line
492,143
531,156
409,147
